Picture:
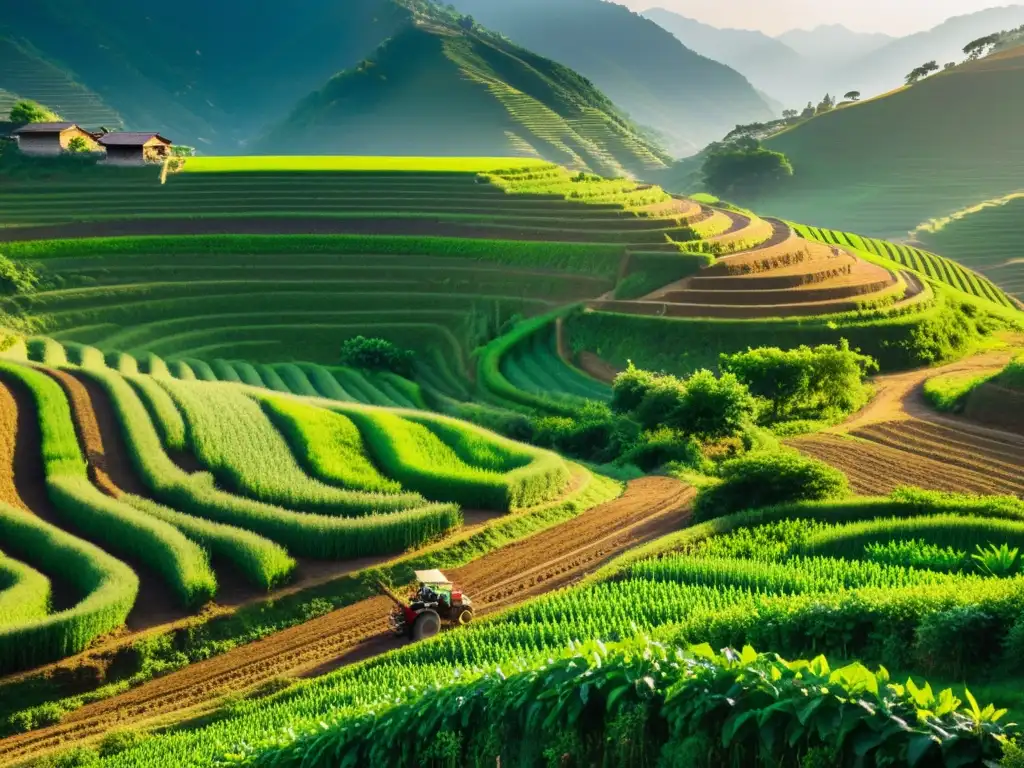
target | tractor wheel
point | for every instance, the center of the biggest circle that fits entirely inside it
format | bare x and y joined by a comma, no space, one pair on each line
465,616
427,625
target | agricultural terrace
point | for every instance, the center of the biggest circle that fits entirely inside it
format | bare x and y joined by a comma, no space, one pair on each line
116,479
922,583
181,428
986,237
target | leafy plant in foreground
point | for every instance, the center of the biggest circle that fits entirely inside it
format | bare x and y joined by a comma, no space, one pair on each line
996,561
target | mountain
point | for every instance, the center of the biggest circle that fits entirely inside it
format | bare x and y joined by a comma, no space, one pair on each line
885,68
437,87
885,165
770,65
688,99
207,73
833,42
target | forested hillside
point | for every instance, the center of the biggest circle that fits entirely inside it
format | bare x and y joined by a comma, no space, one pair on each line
690,100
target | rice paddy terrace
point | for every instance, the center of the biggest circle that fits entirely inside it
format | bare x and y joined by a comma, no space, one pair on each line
178,431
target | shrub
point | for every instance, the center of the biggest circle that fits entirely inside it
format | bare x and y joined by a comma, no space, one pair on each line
812,382
664,446
630,388
765,479
16,278
593,434
713,407
376,355
27,111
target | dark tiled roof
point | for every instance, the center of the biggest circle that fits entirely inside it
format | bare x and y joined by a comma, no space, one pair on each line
44,128
128,139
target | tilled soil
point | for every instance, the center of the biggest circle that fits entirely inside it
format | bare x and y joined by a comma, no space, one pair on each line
651,507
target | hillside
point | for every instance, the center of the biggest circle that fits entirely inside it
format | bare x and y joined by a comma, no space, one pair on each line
769,64
886,165
885,68
832,42
688,99
466,93
193,73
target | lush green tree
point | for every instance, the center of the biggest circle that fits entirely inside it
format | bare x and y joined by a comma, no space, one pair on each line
630,387
764,479
852,96
923,71
77,145
376,354
712,407
818,382
27,111
16,277
746,170
977,48
827,104
790,114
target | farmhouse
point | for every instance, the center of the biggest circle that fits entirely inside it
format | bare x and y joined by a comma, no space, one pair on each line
51,138
135,148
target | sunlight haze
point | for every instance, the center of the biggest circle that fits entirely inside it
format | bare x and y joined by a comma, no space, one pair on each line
774,18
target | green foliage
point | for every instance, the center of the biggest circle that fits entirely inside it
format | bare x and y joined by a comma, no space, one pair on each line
704,406
77,145
593,433
376,355
230,434
949,392
766,479
329,445
996,561
24,592
120,527
747,170
821,382
1012,376
916,553
105,589
27,111
16,278
447,466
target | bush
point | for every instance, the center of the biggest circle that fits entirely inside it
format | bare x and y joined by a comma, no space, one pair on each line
766,479
593,434
663,446
376,355
630,387
27,111
805,382
16,278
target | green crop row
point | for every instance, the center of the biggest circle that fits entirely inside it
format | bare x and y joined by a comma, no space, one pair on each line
758,586
310,535
924,263
329,445
24,593
535,366
231,435
589,259
117,526
104,587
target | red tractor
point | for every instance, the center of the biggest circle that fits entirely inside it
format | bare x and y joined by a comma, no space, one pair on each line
436,601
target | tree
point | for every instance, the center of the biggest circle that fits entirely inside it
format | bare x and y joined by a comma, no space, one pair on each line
77,145
948,66
827,104
748,170
977,48
712,408
376,355
921,72
852,96
789,114
27,111
808,111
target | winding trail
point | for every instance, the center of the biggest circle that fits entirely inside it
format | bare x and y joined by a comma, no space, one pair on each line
651,507
898,439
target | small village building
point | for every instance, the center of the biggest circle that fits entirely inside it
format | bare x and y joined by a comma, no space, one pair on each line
124,148
51,138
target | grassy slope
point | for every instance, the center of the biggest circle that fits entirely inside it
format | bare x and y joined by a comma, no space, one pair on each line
888,164
498,99
688,99
989,239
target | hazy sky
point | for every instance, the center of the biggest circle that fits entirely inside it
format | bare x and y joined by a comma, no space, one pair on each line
895,17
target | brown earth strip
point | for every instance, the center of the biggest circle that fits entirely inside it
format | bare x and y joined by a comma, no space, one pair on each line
8,446
651,507
878,470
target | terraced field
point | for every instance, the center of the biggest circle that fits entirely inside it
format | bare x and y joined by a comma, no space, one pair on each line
760,578
986,238
26,73
264,485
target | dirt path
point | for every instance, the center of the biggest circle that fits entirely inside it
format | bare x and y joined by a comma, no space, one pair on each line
897,439
651,507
